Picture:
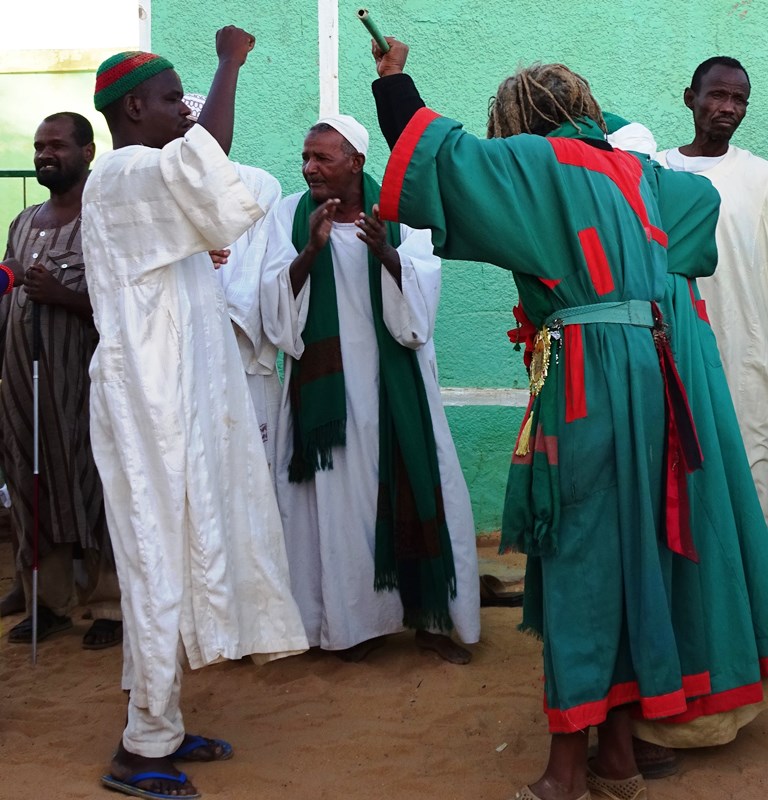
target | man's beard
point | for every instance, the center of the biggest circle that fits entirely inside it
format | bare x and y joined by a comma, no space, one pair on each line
57,181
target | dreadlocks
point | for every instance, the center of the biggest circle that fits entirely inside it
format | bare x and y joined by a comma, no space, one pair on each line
539,99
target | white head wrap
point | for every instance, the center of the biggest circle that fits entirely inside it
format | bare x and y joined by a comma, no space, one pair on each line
635,137
350,129
194,102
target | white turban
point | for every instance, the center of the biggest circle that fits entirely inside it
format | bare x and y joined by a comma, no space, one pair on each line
194,102
350,129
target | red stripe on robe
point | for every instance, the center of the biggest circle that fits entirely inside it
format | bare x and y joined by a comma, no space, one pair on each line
399,160
597,261
623,169
699,305
547,445
701,310
579,717
721,702
575,390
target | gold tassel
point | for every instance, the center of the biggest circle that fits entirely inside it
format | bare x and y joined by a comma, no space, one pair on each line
524,440
537,375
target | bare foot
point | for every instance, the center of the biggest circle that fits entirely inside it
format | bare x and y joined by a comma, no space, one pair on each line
444,646
550,789
126,765
360,651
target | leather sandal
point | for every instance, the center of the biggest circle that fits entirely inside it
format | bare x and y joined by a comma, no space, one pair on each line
605,789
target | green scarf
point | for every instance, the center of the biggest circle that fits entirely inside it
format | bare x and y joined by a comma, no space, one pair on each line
413,548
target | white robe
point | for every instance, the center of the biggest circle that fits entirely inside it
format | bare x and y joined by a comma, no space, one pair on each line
240,278
330,521
192,515
737,294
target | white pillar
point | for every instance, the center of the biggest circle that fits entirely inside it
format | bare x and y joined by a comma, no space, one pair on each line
328,39
145,25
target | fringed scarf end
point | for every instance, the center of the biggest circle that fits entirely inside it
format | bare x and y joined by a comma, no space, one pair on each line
317,453
529,630
385,582
426,620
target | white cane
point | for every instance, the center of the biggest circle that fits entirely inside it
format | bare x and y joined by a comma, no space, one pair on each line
35,467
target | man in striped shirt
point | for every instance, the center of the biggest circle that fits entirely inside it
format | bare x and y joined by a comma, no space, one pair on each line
45,240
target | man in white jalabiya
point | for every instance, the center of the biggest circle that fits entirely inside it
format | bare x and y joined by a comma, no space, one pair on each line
737,294
239,268
190,505
378,522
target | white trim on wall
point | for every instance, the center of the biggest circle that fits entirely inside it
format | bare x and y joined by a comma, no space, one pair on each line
328,41
460,396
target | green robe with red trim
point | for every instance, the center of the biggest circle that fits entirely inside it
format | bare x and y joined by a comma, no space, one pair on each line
576,225
728,590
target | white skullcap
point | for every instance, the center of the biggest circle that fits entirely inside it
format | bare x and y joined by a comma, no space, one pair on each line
350,129
634,137
194,102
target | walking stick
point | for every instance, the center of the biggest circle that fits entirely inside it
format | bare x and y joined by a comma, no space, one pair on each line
35,467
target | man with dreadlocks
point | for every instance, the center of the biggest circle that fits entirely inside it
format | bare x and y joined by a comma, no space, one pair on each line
578,225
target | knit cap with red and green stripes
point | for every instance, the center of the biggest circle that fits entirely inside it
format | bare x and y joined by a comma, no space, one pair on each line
125,71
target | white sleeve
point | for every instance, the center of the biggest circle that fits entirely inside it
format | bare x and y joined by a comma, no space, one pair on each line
158,206
283,315
242,275
410,314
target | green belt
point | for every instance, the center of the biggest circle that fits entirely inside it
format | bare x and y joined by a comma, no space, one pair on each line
628,312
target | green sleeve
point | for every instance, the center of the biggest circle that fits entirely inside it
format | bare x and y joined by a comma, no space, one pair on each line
689,206
502,201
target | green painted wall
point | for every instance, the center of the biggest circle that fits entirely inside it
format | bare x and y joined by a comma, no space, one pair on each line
484,436
278,88
639,57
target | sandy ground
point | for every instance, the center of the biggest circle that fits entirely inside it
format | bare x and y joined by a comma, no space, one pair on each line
402,724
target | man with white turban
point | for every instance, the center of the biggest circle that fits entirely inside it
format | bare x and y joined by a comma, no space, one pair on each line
377,517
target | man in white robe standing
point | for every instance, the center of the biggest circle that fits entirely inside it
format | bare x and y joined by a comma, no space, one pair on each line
737,294
190,506
378,522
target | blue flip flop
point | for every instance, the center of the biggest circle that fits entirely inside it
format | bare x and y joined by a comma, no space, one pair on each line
192,743
129,786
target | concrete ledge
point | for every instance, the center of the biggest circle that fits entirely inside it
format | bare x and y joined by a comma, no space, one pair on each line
461,396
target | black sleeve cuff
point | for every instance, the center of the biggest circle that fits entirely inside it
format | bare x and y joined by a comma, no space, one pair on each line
397,100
